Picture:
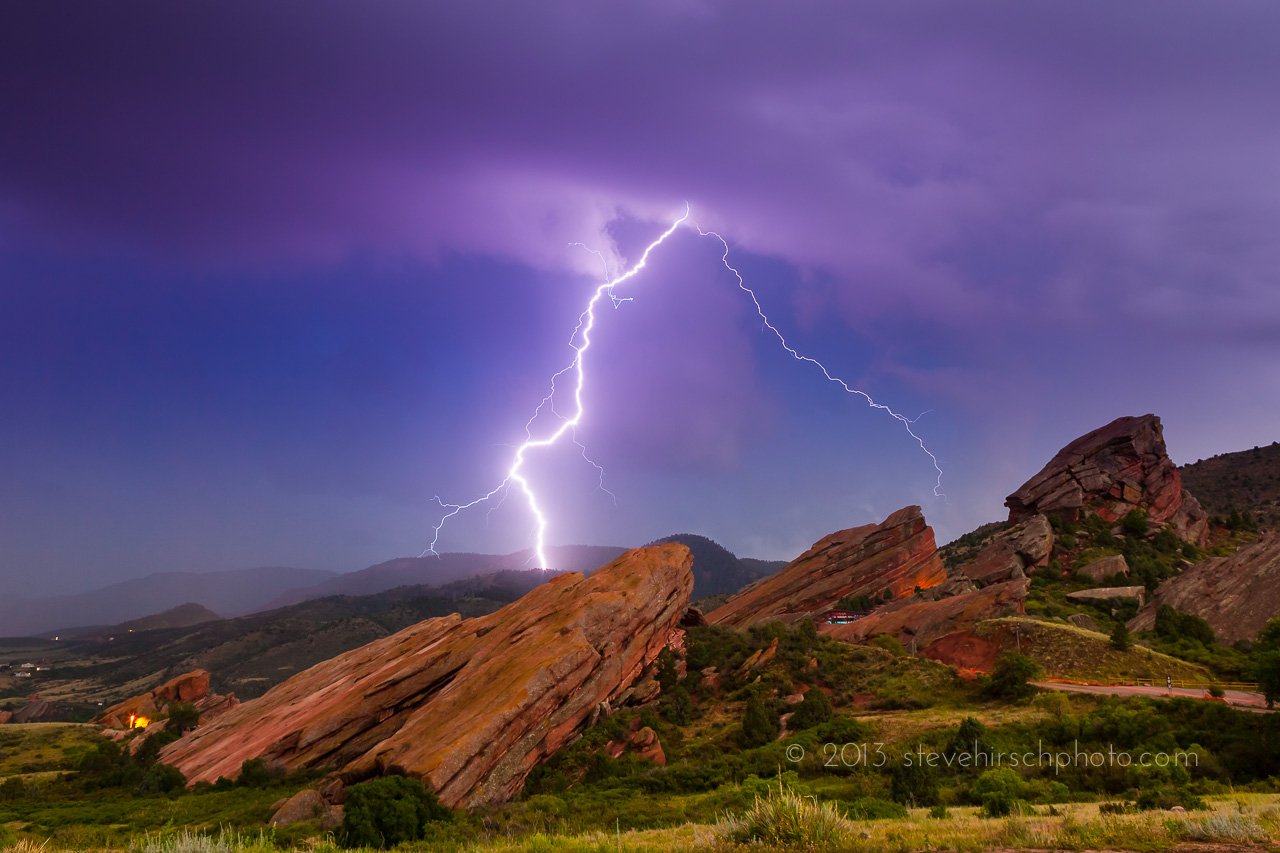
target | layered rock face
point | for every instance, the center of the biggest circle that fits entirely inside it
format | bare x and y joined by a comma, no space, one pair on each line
469,706
193,687
1014,553
1121,467
898,554
918,623
1236,595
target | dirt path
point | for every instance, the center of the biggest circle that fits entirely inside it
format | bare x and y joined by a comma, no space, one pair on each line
1236,698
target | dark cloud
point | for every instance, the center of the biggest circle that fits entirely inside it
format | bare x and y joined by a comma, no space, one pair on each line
328,241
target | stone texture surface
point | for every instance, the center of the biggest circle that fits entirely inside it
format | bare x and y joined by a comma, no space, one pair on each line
34,711
1109,593
917,622
1110,471
469,706
1236,595
1014,553
1081,620
898,554
5,716
304,805
1100,570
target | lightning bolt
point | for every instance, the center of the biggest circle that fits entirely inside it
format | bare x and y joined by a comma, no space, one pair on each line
580,342
568,425
906,422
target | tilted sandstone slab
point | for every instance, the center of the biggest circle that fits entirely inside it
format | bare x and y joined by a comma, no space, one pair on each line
1014,553
899,555
918,622
1101,569
1105,594
1115,469
1236,595
469,706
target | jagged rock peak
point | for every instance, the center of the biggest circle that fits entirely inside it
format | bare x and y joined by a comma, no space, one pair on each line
470,706
898,555
1115,469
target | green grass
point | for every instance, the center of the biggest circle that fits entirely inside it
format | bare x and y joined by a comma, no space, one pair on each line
41,747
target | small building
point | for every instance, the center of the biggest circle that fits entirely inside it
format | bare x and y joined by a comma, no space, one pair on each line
26,673
844,617
28,665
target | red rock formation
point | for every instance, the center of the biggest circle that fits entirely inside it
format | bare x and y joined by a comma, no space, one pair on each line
5,716
898,554
1236,595
193,687
469,706
1111,471
918,622
1014,553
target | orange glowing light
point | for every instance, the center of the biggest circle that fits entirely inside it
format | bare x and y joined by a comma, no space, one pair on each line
139,723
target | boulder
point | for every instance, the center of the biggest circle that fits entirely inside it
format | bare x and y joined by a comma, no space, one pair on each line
1236,595
5,716
693,618
1014,553
1082,620
898,555
469,706
1109,472
952,586
917,623
304,805
1105,594
644,744
1099,570
34,711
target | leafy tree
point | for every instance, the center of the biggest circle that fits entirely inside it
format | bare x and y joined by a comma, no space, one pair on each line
1134,524
855,603
970,737
1268,639
814,710
759,723
1266,668
12,789
1011,676
998,791
388,811
667,675
914,784
183,717
890,644
1120,639
677,707
806,635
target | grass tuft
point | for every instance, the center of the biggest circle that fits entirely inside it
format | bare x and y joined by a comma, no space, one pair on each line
1222,828
786,817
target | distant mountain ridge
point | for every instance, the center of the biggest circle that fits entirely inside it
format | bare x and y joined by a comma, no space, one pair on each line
716,569
1246,481
229,592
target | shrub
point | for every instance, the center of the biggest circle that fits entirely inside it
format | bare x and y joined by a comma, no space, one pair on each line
162,779
873,808
1221,828
1134,524
786,818
12,789
1120,640
939,812
890,644
254,774
914,784
1011,676
815,709
387,811
183,717
998,791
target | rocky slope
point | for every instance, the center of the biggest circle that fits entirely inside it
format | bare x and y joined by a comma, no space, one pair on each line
1247,481
193,688
1109,472
1012,554
1236,595
918,622
470,706
898,554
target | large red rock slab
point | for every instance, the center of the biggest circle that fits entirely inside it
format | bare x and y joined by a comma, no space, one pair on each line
898,554
469,706
1115,469
1236,595
917,623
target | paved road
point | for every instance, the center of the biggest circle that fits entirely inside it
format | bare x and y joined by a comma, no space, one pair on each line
1236,698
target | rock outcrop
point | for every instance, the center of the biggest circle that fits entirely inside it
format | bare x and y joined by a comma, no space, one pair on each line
469,706
193,688
1109,472
1014,553
898,555
1099,570
1236,595
1105,594
918,623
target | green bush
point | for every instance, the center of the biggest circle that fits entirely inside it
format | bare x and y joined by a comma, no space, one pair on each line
388,811
786,818
890,644
939,812
1120,640
254,774
914,784
873,808
1011,676
162,779
759,722
183,717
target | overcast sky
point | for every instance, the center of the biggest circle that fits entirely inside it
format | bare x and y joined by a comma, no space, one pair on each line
274,276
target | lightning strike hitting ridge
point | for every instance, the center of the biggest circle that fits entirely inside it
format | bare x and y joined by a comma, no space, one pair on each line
568,425
586,322
906,422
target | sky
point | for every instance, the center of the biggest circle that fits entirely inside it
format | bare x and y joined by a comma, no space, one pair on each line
274,277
